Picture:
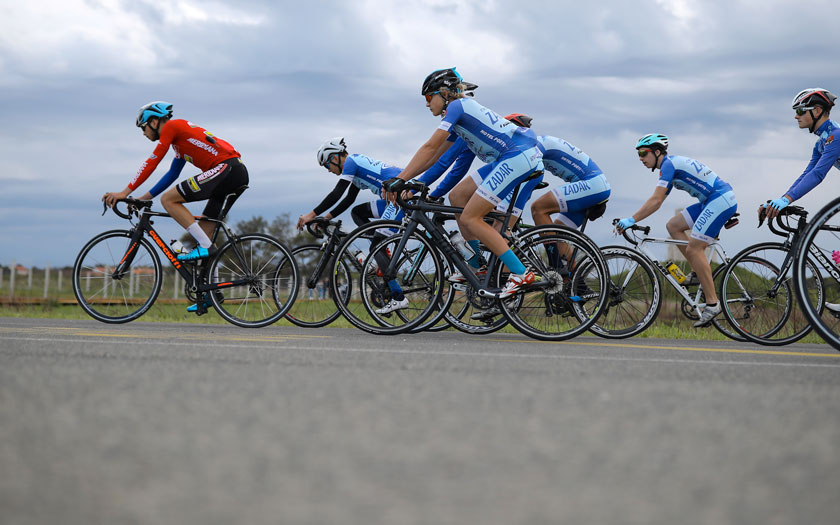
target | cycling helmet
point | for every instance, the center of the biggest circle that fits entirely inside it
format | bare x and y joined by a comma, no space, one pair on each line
441,78
520,119
808,98
333,145
653,141
157,109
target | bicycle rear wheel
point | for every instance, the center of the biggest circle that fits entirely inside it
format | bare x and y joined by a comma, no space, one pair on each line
821,244
269,276
110,297
560,304
316,306
759,303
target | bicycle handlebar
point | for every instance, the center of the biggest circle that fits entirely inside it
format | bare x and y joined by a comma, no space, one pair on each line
133,205
413,186
778,227
644,229
318,226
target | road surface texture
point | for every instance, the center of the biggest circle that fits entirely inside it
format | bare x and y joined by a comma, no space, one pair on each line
151,423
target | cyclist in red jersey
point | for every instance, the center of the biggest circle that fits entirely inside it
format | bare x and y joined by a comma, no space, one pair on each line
221,165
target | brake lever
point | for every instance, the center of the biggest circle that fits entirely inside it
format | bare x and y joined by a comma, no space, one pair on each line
762,215
104,208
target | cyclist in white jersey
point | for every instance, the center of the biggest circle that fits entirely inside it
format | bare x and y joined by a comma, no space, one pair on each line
705,219
511,153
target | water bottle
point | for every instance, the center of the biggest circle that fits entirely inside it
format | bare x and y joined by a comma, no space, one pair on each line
176,247
461,245
675,271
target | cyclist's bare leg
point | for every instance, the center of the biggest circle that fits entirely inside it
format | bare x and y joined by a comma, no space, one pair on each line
542,208
173,203
677,228
695,253
459,197
473,219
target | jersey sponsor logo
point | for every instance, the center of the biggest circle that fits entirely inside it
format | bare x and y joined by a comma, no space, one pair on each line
575,187
188,159
703,219
206,147
499,176
193,184
829,140
152,156
209,174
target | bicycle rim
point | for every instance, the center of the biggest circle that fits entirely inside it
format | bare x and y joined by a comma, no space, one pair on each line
315,307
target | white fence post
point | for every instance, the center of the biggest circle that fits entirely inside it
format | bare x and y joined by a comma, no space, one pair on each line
1,276
29,280
46,280
174,283
131,282
60,275
105,283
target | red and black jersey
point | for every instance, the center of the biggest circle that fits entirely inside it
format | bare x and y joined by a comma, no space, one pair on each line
190,142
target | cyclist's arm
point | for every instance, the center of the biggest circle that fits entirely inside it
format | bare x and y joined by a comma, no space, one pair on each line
168,178
816,171
332,197
344,204
427,155
462,165
432,174
652,204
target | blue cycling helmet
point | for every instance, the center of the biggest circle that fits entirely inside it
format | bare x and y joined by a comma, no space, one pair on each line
157,109
653,141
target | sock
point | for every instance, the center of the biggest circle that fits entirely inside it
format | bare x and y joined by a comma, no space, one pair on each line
475,261
199,235
396,290
512,262
553,255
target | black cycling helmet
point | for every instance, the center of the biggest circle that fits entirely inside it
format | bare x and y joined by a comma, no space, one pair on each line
520,119
441,78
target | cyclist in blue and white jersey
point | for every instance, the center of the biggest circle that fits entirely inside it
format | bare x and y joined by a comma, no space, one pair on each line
826,151
511,153
356,172
705,219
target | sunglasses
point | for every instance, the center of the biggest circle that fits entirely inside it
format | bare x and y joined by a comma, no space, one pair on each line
802,111
430,95
328,163
643,152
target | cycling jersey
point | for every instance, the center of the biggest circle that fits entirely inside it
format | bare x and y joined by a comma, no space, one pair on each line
566,161
459,154
691,176
487,134
191,143
826,154
367,173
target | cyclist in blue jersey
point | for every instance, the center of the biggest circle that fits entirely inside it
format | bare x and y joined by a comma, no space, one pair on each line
511,153
813,111
355,173
705,219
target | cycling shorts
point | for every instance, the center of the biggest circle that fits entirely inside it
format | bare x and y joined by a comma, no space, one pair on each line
707,218
214,185
574,198
521,200
499,178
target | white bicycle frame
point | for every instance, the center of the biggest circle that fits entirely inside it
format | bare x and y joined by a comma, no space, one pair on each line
641,248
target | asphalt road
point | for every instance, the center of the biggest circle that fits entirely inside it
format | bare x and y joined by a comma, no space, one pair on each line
182,424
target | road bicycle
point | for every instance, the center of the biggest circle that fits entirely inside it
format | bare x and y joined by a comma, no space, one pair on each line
820,244
757,291
635,294
251,281
549,309
319,266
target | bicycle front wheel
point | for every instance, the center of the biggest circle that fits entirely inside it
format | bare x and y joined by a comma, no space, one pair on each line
565,300
821,244
316,306
758,302
267,280
634,295
113,297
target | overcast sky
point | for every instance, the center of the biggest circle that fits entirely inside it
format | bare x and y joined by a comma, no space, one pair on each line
277,78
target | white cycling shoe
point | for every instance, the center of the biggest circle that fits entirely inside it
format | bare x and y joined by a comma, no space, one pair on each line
392,306
709,313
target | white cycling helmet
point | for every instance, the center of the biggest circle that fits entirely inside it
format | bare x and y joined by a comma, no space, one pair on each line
333,145
808,98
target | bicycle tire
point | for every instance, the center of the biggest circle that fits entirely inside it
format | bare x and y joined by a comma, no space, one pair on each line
373,292
819,242
311,312
751,306
271,275
547,312
145,280
635,294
